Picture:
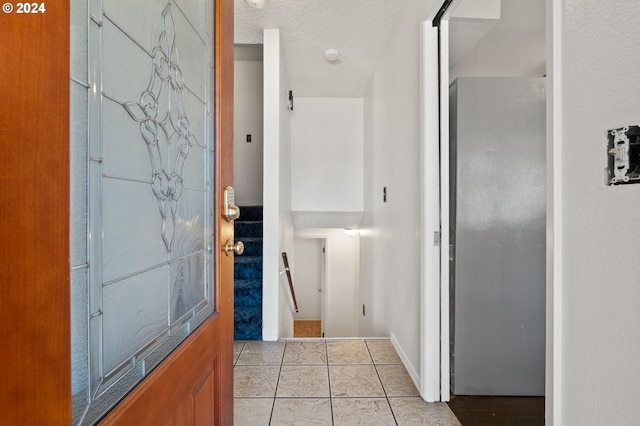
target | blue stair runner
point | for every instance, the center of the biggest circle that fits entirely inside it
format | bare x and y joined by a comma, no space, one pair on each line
248,275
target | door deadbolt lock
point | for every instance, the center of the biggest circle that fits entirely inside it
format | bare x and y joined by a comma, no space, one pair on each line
230,248
231,211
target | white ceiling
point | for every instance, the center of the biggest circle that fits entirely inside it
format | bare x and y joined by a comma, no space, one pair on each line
358,29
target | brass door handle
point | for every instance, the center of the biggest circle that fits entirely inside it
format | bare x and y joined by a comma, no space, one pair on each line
230,248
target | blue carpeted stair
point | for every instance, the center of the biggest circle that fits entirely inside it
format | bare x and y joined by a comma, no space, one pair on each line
248,275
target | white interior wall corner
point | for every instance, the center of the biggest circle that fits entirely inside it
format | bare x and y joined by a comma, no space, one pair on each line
286,308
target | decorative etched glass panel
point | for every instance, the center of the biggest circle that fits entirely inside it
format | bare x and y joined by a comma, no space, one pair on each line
130,213
142,178
134,314
187,286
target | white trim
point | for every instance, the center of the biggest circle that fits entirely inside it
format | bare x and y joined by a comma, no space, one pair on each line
430,219
434,272
271,187
405,361
445,367
445,330
553,389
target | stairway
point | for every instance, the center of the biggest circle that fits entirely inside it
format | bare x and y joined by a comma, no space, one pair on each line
248,275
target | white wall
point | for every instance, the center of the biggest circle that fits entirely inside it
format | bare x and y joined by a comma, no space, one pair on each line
515,45
327,155
478,9
596,88
341,307
247,157
278,228
389,250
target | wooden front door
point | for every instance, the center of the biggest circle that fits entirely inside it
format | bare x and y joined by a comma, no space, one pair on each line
194,385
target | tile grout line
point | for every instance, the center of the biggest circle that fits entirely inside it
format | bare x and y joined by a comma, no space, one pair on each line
375,366
273,406
380,353
326,351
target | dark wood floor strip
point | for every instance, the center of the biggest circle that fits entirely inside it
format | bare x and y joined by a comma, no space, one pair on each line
493,410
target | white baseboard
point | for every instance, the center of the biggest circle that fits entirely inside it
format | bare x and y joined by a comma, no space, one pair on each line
405,360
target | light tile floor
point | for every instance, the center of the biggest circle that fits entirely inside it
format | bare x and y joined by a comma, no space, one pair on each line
328,382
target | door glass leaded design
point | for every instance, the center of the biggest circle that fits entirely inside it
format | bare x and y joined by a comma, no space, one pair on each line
144,180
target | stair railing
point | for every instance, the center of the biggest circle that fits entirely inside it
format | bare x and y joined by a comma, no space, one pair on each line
288,271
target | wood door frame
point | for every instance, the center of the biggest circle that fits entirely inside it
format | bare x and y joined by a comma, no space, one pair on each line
34,219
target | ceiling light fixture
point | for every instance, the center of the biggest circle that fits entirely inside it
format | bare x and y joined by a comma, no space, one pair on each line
332,56
256,4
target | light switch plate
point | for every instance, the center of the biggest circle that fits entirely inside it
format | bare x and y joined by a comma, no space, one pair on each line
623,155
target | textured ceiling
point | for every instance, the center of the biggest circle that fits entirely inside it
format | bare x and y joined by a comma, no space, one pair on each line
358,29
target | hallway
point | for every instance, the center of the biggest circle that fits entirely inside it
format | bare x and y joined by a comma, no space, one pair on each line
328,382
